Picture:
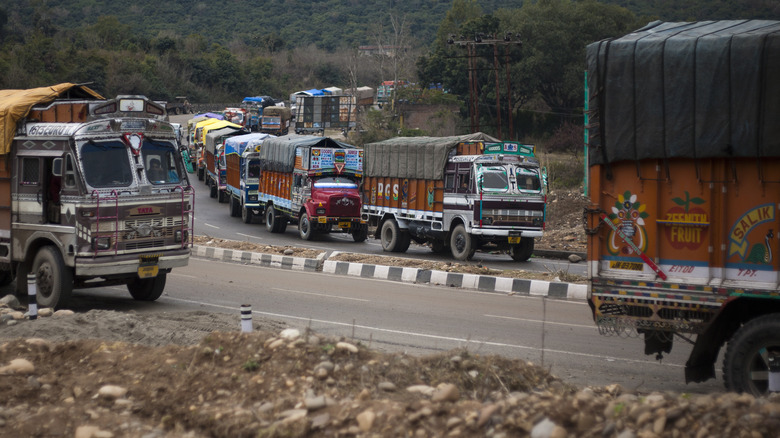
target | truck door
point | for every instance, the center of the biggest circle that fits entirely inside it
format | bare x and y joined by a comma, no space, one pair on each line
32,190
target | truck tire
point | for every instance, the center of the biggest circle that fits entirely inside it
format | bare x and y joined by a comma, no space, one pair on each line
393,239
745,363
54,280
462,244
523,250
212,189
201,173
360,233
246,214
274,221
221,195
147,289
234,206
305,228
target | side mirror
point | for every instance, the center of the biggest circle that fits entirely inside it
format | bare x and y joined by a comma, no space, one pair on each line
56,167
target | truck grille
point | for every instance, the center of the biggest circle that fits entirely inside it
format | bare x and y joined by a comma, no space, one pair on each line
344,206
140,229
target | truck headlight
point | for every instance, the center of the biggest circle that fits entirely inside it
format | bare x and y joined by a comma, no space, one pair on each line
101,243
487,220
180,236
252,198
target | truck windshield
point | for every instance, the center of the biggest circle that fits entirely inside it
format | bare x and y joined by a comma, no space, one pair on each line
527,180
493,178
160,162
336,182
106,164
253,169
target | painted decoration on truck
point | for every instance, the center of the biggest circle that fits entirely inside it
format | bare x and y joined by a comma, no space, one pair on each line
629,215
686,223
748,240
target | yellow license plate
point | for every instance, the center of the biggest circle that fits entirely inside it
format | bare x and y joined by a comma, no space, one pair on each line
514,240
148,271
345,224
322,219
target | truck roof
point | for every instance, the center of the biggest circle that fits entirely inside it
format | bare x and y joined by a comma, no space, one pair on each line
238,144
278,153
704,89
414,157
16,104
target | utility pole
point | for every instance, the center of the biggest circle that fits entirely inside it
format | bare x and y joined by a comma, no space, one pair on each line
480,39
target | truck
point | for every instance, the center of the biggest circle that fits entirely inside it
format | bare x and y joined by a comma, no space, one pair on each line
276,120
181,105
239,116
94,193
254,106
682,221
198,144
315,114
242,160
460,193
214,152
311,181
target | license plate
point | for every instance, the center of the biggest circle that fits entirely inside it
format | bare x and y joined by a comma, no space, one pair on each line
148,271
322,219
514,240
345,224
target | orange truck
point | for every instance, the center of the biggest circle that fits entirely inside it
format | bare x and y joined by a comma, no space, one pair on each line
461,193
684,185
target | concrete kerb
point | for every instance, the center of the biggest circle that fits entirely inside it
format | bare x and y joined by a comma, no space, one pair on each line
486,283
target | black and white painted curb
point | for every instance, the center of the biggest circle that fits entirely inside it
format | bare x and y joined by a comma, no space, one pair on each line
487,283
256,258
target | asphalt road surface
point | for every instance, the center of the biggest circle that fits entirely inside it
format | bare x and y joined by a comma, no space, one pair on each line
416,319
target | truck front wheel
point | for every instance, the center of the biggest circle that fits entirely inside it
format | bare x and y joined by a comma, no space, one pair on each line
147,289
246,215
213,189
234,206
523,250
274,222
305,227
745,365
393,239
462,244
54,280
360,233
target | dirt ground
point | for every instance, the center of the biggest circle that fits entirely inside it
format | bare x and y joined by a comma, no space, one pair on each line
195,374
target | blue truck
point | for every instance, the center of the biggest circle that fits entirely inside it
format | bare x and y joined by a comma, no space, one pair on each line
242,159
254,106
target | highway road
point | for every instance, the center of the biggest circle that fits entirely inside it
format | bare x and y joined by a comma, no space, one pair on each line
416,319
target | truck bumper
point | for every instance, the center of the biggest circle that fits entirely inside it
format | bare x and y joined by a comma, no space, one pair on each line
505,233
128,263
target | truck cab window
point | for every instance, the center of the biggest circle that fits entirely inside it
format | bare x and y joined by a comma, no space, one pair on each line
160,162
70,172
106,164
253,169
31,173
493,178
527,180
